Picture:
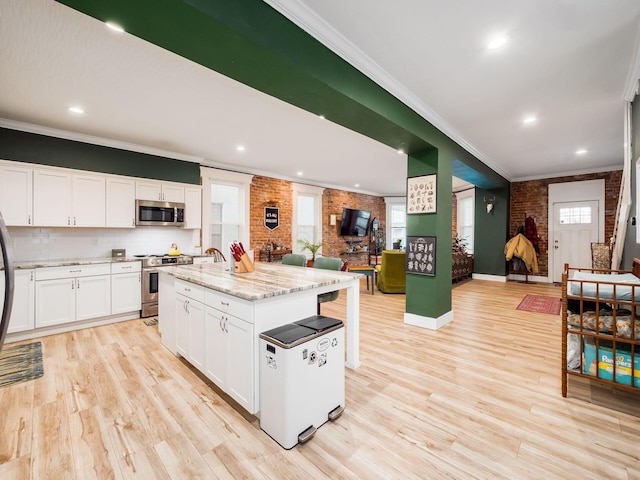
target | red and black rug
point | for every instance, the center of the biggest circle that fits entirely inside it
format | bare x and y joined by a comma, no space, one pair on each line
540,304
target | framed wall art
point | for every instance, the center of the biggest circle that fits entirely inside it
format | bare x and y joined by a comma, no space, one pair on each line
421,194
421,255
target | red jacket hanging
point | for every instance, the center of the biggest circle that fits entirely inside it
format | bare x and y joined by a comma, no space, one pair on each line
531,232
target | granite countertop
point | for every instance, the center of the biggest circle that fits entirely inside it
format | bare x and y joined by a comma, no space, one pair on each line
63,262
268,280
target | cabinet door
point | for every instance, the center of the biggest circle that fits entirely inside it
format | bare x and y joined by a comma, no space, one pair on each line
240,369
148,191
51,199
182,323
89,201
215,347
172,193
195,312
55,302
93,297
126,292
22,312
193,207
121,203
16,198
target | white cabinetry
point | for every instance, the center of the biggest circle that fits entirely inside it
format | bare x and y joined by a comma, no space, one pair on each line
16,195
22,316
121,202
202,260
193,207
159,191
61,199
126,287
68,294
189,314
229,347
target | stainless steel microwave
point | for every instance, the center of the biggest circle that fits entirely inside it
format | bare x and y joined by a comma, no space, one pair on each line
162,214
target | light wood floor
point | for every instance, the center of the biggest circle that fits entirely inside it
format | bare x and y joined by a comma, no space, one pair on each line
480,398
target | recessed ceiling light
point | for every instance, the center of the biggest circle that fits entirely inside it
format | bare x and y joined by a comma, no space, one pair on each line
115,27
322,117
529,120
240,148
497,42
582,151
400,151
357,185
77,110
299,174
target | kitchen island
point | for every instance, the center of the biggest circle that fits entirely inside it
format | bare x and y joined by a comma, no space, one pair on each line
213,318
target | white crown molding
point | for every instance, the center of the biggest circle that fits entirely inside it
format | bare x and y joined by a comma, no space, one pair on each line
105,142
322,31
631,85
572,173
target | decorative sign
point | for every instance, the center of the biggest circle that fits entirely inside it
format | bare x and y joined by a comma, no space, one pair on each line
421,255
421,194
271,217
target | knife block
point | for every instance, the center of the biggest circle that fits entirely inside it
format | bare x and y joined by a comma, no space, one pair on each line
244,265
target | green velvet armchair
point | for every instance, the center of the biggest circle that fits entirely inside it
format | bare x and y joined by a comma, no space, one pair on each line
391,272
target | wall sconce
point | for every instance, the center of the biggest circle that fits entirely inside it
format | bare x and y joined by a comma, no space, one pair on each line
490,203
332,220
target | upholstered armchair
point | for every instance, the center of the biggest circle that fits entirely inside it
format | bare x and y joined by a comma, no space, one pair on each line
391,272
327,263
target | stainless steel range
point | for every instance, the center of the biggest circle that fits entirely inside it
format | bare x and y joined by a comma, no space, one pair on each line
150,266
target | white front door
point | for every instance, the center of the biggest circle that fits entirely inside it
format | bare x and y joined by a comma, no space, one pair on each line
575,226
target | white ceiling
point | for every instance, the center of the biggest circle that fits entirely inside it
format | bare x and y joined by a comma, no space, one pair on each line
566,62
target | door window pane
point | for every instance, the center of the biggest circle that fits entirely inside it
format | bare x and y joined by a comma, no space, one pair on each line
575,215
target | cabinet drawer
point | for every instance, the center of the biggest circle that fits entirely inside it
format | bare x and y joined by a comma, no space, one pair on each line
228,304
126,267
195,292
72,271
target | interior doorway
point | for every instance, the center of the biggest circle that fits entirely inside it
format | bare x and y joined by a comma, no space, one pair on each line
576,219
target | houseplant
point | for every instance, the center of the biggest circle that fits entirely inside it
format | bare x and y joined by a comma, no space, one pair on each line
312,247
458,244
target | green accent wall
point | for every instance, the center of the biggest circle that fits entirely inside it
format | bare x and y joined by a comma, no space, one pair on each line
491,232
58,152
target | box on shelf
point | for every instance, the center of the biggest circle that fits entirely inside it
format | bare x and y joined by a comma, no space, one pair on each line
599,362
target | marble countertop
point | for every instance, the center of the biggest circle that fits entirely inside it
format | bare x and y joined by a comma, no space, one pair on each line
63,262
268,280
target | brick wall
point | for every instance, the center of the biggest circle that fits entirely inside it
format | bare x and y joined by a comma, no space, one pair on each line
333,201
454,215
531,198
267,191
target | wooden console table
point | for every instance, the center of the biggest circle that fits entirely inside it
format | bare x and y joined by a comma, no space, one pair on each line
271,255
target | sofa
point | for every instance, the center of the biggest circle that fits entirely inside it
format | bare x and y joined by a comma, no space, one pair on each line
391,272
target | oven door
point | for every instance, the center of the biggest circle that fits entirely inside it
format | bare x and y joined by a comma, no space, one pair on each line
149,285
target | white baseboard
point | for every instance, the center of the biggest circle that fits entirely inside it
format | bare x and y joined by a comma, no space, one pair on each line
491,278
531,278
428,322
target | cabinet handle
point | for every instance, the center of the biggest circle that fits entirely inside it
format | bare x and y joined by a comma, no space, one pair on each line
28,219
68,220
220,323
187,289
226,319
133,222
74,220
78,284
31,277
73,284
139,278
226,304
127,268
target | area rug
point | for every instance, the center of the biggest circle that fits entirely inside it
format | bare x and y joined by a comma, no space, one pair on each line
150,322
540,304
19,363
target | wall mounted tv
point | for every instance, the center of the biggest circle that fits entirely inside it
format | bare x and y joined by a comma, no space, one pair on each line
355,222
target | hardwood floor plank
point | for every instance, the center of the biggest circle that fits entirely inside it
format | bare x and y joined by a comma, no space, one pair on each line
93,454
16,421
51,451
181,459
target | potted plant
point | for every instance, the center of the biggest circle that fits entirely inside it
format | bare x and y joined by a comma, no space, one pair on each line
397,245
458,244
312,247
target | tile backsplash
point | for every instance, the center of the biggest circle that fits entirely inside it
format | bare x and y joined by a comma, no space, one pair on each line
35,244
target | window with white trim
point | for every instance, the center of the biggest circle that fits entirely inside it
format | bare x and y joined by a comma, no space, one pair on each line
466,216
307,215
396,225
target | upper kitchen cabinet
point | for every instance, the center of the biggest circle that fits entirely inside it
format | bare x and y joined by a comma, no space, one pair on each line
193,207
159,191
121,202
16,195
68,200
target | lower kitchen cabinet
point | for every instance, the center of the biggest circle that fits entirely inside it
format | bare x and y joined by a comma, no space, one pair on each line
69,294
22,312
126,287
229,355
190,332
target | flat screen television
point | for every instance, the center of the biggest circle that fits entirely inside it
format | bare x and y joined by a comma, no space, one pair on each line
355,222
